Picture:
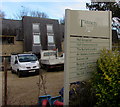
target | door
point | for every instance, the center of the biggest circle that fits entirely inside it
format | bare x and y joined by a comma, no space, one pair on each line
15,64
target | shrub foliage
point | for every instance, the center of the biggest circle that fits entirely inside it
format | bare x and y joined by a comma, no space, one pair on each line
106,80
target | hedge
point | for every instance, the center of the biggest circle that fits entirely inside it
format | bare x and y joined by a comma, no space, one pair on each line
106,79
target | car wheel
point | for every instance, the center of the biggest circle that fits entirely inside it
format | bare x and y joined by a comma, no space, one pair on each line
19,74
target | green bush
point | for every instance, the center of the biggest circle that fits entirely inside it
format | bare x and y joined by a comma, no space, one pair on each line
106,80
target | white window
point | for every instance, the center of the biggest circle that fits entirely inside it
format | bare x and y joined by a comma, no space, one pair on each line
36,34
50,39
49,28
36,27
36,39
7,40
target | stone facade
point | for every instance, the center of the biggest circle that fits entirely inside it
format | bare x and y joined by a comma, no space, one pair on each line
17,47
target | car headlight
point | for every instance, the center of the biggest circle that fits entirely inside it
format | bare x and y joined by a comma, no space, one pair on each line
38,65
22,66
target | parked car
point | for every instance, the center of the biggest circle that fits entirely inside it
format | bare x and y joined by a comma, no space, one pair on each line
24,64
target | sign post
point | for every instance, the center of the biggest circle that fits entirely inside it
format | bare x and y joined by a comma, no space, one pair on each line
86,33
5,82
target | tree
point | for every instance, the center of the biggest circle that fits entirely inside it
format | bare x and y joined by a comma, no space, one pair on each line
105,6
38,14
62,20
2,14
27,12
23,12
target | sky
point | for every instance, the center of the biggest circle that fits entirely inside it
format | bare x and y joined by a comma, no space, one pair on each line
55,9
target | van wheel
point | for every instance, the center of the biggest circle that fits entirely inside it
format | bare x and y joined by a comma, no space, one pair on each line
47,68
19,74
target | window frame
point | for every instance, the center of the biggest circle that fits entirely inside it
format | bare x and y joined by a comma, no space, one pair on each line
10,40
38,42
36,33
51,29
51,43
36,30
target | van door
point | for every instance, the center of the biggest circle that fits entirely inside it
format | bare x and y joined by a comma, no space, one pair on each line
16,64
12,62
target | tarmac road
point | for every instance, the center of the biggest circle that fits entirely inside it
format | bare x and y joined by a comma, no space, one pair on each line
25,91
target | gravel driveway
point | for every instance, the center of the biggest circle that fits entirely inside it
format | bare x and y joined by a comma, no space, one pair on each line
25,90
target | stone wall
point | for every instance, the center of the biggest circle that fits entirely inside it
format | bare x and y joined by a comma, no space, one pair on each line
17,47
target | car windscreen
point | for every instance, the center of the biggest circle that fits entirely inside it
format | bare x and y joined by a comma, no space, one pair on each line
27,58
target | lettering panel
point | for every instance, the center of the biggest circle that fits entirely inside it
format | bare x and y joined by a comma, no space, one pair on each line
84,52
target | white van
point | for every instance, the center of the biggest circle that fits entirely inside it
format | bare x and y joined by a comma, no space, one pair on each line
24,63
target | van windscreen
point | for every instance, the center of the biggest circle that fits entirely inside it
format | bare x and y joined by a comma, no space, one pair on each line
27,58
